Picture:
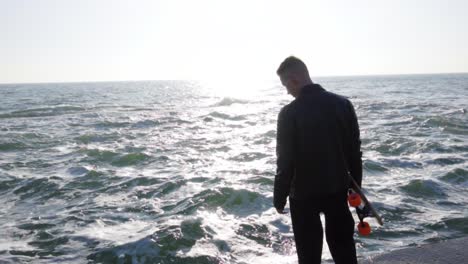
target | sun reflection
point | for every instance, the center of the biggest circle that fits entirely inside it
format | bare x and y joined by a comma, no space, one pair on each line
239,88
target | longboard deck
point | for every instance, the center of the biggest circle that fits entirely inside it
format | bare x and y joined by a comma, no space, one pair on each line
366,201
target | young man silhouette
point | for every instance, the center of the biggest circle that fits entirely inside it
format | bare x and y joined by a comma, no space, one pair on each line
318,149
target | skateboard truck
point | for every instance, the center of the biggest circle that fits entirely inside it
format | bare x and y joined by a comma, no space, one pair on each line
357,199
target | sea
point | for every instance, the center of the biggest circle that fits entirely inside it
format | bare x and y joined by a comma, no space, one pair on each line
183,171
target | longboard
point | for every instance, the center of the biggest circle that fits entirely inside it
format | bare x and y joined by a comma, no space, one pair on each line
373,212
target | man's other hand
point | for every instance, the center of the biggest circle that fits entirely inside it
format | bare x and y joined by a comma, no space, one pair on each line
281,211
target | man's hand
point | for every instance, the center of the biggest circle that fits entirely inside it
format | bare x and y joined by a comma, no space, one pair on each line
281,211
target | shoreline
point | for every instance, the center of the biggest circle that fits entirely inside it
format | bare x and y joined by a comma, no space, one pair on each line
451,251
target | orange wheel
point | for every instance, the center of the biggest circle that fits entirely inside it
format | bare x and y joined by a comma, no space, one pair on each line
364,228
354,199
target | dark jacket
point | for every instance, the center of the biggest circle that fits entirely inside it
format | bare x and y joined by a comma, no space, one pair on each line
318,146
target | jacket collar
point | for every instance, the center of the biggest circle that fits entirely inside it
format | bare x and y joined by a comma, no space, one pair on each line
311,89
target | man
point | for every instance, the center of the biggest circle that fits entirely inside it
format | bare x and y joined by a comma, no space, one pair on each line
318,149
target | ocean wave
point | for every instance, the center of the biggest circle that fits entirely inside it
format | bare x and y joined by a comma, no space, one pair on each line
100,155
270,134
457,176
261,234
226,116
13,146
227,101
268,181
399,232
114,158
451,125
134,108
401,163
424,189
164,246
142,181
397,213
146,124
228,198
20,141
456,112
42,188
98,137
91,180
233,201
263,141
459,224
398,121
111,124
9,184
46,111
79,170
35,226
130,159
140,187
373,166
149,188
169,187
250,156
443,161
394,146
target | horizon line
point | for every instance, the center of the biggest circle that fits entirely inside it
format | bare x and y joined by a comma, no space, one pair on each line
201,80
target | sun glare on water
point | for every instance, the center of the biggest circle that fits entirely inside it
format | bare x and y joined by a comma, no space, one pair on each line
247,88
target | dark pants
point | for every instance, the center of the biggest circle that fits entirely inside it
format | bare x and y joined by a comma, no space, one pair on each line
308,232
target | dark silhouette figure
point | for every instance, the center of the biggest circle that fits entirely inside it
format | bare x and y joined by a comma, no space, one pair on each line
318,148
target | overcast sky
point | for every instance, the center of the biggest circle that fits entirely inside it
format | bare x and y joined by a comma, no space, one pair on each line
105,40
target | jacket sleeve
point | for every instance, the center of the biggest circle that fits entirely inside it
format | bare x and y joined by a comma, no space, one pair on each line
285,158
354,155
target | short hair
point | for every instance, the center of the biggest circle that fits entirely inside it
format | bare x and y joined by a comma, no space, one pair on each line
292,64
